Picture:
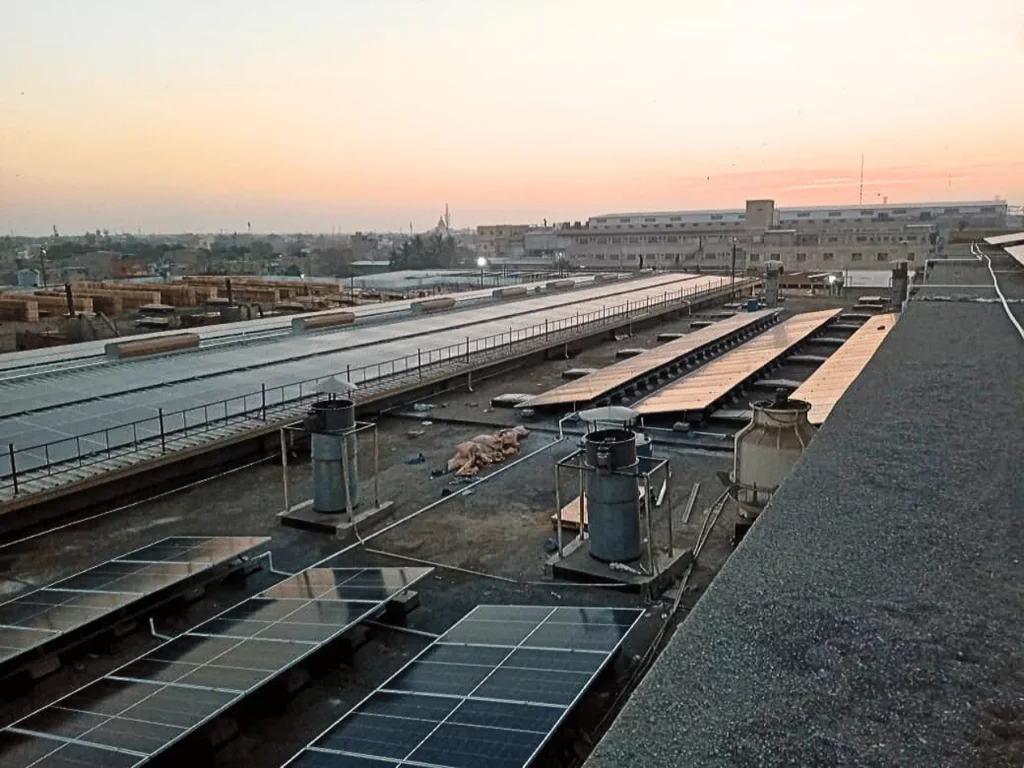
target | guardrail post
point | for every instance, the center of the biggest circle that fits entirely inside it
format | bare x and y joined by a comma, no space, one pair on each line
14,469
263,405
163,435
467,349
419,362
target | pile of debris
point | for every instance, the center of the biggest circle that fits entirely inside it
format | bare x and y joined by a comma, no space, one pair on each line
483,450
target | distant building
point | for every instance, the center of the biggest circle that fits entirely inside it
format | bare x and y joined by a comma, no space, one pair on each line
501,239
546,243
127,266
813,238
28,278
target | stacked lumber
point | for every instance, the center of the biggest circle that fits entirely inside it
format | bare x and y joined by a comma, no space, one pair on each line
26,310
50,305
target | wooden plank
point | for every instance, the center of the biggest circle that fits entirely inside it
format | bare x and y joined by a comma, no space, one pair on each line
826,386
702,388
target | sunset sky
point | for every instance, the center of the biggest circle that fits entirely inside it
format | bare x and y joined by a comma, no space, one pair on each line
358,114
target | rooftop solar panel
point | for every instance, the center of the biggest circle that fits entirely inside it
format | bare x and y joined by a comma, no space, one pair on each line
136,712
489,692
1016,253
40,619
702,388
827,384
599,383
1010,239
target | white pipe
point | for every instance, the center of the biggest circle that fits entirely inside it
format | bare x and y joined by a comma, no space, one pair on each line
995,284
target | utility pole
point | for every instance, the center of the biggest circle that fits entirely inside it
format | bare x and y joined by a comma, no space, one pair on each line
860,195
732,288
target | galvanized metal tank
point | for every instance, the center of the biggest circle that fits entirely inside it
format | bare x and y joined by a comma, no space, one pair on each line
613,500
899,285
330,423
767,448
772,272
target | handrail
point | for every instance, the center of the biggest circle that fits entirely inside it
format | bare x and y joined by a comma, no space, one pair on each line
168,428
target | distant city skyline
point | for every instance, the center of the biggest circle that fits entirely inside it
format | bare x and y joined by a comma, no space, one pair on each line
319,114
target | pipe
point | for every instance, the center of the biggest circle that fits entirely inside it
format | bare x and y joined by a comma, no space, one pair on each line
999,292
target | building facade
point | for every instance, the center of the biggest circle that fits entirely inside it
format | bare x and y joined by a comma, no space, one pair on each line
501,239
817,239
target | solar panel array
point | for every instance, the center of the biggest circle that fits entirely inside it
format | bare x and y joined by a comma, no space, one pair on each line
63,409
703,387
1016,253
142,708
599,383
1011,239
826,385
42,617
489,692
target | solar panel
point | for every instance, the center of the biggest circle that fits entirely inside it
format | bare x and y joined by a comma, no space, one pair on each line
599,383
826,385
489,692
43,617
1015,237
702,388
67,404
139,710
1016,253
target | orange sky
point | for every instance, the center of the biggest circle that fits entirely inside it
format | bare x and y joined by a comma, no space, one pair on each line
314,114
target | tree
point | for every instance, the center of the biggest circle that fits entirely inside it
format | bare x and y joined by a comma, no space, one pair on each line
293,271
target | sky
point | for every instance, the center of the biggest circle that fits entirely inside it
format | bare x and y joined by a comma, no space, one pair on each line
316,115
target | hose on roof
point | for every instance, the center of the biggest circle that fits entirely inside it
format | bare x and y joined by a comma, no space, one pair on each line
979,254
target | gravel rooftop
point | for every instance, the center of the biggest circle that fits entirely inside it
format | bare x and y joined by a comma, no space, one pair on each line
872,615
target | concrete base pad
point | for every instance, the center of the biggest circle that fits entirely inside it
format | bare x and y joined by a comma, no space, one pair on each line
578,565
303,516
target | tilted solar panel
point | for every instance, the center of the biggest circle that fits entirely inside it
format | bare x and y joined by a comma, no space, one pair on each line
489,692
43,617
142,708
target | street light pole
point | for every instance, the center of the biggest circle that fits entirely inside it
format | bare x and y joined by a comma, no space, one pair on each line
732,287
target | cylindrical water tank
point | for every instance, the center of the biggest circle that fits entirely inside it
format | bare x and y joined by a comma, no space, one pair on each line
898,288
613,500
331,423
767,448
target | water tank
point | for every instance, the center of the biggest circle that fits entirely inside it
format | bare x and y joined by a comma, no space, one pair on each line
331,423
613,500
898,287
767,448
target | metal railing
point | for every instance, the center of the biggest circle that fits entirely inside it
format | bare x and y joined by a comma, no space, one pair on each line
168,431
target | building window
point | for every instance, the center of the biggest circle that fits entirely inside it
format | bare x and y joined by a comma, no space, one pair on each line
690,257
581,241
630,257
881,256
803,214
672,238
616,239
653,239
899,211
710,256
951,211
801,257
716,216
776,257
856,256
867,213
625,221
755,257
835,214
861,239
602,240
675,218
599,221
833,239
650,218
828,256
615,257
910,257
633,239
988,209
600,257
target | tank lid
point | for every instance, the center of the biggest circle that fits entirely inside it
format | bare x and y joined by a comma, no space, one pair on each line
782,402
335,386
611,414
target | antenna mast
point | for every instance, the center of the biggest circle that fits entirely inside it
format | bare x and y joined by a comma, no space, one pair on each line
860,195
